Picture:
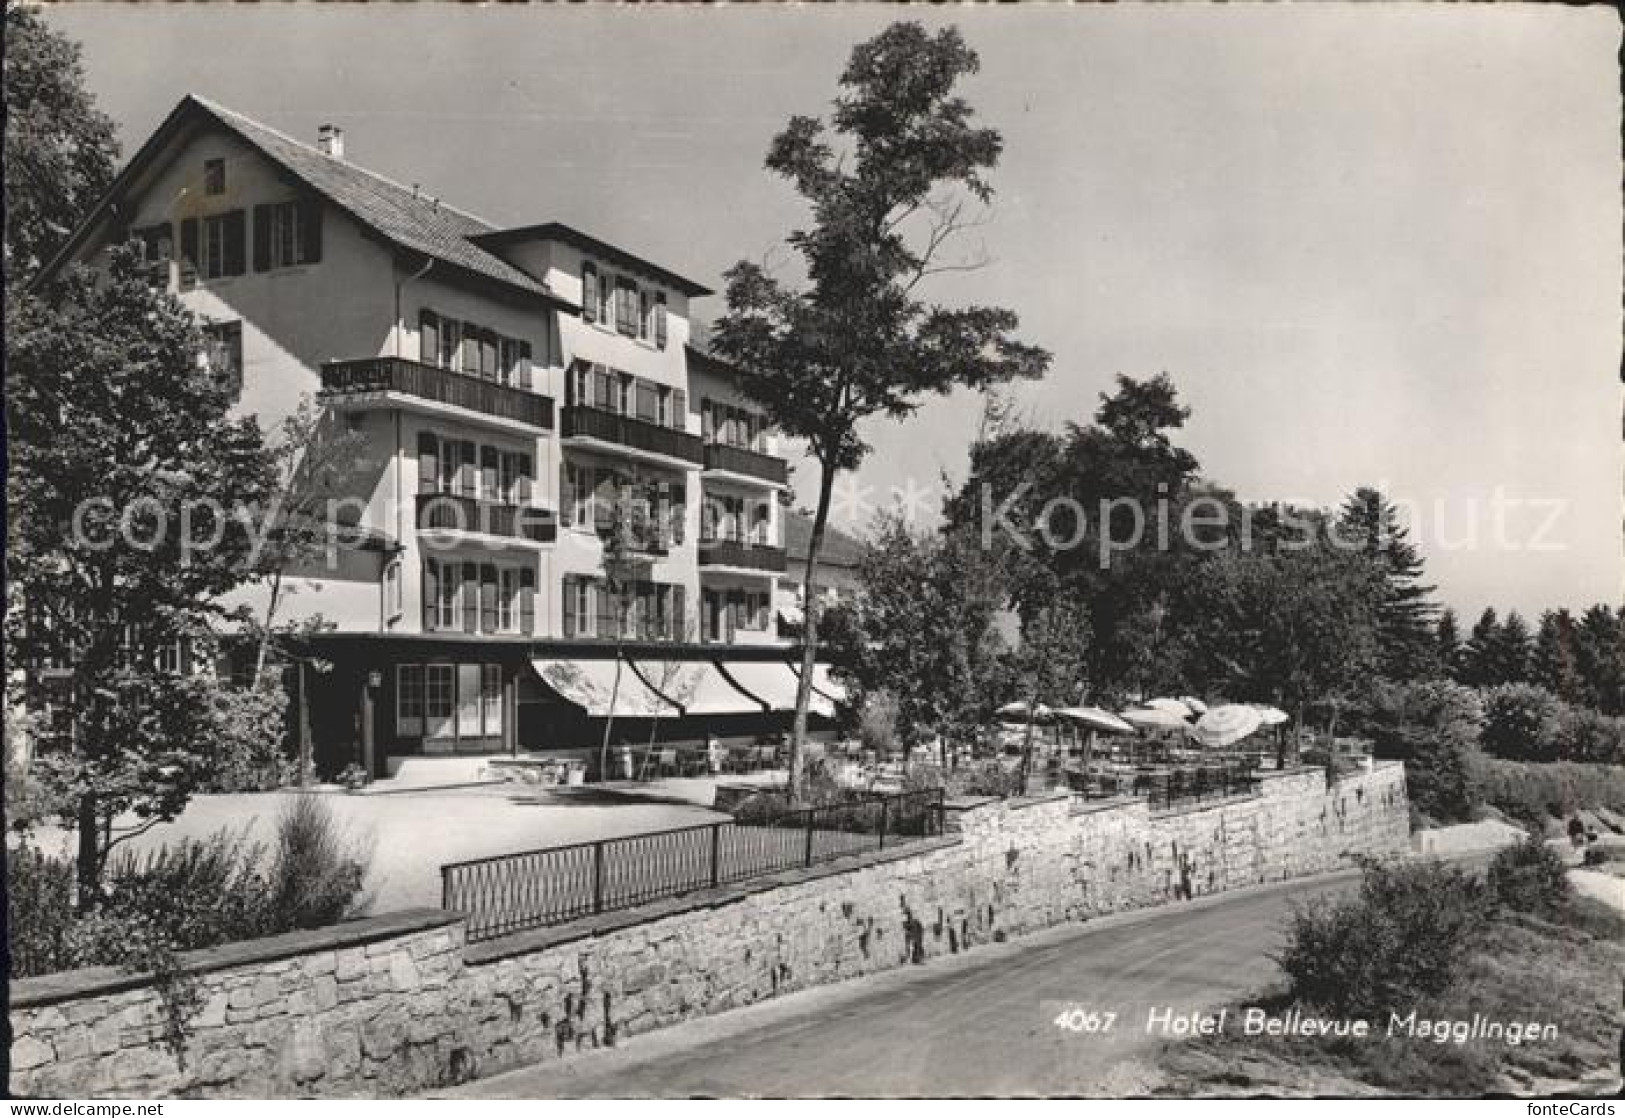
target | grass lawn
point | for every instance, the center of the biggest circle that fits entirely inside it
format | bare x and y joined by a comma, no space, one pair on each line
1523,969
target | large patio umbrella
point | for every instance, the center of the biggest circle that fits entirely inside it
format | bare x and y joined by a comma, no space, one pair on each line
1019,709
1094,720
1225,725
1271,716
1172,706
1154,718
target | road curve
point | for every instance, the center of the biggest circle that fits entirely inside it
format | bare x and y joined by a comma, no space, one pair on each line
981,1023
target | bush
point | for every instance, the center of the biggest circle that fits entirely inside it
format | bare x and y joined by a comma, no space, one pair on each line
1433,726
1400,939
1536,793
318,869
39,910
249,727
1530,877
877,724
181,897
1589,736
1522,722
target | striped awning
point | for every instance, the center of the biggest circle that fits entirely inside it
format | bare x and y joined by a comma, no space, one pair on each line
823,683
590,684
698,687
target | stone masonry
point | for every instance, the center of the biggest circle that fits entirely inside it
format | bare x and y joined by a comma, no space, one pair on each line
399,1004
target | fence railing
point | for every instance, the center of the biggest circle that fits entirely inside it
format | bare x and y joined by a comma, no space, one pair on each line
1195,785
538,888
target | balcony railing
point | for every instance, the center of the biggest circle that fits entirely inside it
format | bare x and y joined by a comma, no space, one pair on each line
737,553
751,463
427,382
453,511
585,422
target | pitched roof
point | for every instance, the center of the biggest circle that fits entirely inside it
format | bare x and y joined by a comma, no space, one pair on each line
404,217
558,231
839,550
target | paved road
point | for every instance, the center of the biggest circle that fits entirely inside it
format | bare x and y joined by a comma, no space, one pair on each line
976,1024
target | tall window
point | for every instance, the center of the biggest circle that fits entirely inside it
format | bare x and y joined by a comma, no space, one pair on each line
409,700
287,235
491,699
439,701
589,292
220,252
214,176
660,319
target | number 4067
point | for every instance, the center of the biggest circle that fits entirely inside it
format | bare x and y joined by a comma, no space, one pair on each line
1080,1020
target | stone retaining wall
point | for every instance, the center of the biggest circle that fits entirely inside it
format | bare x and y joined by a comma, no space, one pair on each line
399,1004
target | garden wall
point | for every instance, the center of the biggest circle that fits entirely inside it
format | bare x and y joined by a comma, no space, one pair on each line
400,1004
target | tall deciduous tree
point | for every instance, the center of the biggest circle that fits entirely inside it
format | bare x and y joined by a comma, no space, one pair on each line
60,150
125,479
888,183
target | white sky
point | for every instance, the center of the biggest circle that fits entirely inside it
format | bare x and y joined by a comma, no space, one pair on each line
1374,245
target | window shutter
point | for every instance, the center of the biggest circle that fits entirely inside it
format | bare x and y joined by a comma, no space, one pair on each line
466,475
589,293
526,475
645,313
188,253
679,614
471,597
236,231
567,494
569,605
310,215
490,471
428,337
527,601
431,593
488,598
524,365
679,409
660,319
428,462
262,238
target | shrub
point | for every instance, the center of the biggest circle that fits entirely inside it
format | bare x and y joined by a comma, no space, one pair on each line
317,870
250,740
1530,877
877,724
1522,722
1401,938
198,892
1586,735
39,910
1433,726
1536,793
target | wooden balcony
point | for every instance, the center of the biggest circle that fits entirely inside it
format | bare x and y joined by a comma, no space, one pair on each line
455,512
737,553
750,463
373,375
591,423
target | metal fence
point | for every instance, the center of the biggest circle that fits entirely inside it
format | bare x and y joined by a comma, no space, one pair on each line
1195,785
538,888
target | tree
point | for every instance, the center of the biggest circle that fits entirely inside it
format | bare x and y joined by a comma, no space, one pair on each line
1553,664
126,482
60,150
1049,664
1409,648
923,630
628,534
888,184
1599,654
1479,656
1433,726
1512,648
1447,644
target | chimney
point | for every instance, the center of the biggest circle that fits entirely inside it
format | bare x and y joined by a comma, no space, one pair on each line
330,140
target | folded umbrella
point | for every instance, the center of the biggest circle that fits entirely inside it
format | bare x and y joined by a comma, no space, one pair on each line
1095,719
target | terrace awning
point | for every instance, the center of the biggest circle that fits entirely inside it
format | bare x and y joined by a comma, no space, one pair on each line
590,683
698,687
774,682
823,683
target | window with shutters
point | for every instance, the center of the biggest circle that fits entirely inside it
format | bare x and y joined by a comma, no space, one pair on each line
647,396
449,614
287,235
626,306
646,326
451,342
660,319
589,292
428,337
508,600
221,247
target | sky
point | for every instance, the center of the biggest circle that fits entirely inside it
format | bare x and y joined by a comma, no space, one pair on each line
1374,245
